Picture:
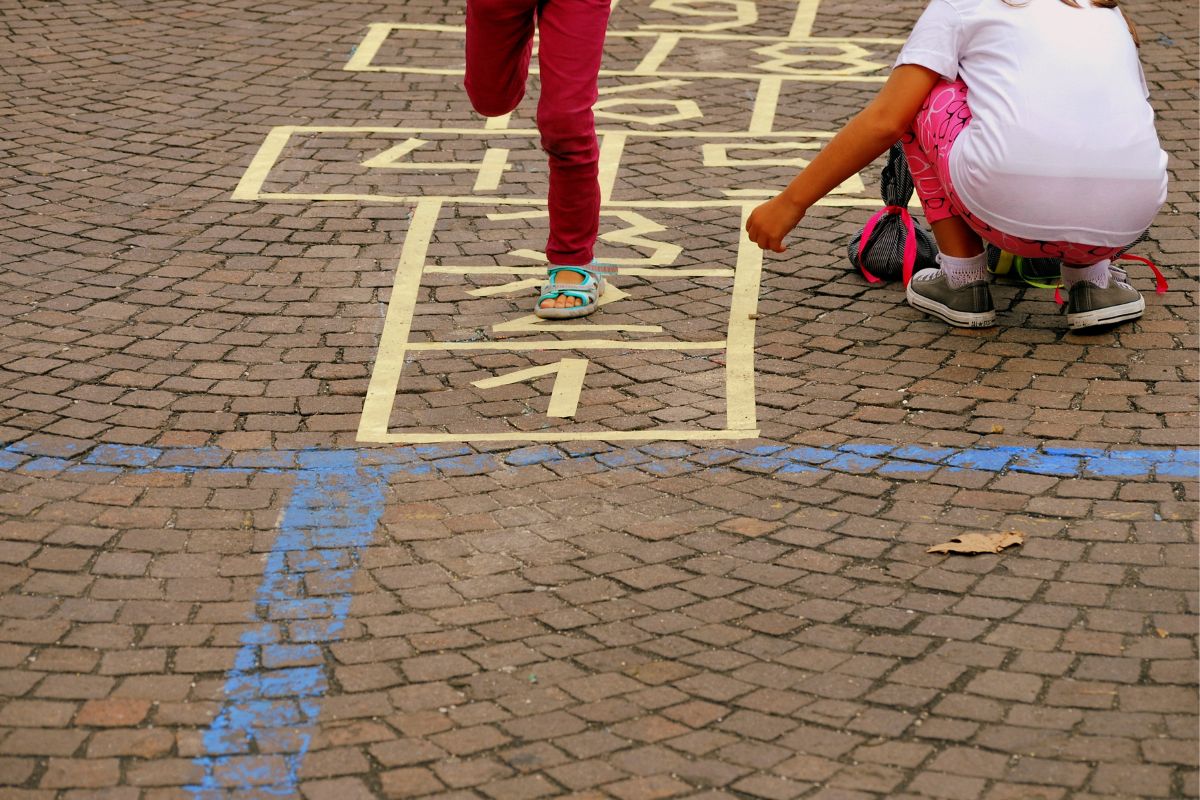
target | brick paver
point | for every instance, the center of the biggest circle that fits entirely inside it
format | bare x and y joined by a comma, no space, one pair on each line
211,587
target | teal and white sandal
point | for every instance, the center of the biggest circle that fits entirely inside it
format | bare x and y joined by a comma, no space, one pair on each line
588,291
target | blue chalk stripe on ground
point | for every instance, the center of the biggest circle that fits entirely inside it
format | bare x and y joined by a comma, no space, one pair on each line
669,458
265,725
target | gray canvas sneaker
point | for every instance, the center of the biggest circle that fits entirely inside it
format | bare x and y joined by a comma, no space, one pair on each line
1088,305
968,306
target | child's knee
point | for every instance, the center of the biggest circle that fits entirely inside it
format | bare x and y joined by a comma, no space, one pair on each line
489,107
491,103
566,131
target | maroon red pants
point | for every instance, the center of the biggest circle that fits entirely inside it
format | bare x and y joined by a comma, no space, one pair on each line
571,41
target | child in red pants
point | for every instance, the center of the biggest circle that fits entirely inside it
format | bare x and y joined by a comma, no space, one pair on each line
499,46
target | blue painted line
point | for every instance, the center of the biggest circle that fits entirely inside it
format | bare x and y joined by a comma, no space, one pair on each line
474,464
668,449
263,730
1183,470
899,467
123,455
259,738
9,460
622,458
869,449
716,455
666,458
853,463
793,467
760,464
992,460
810,455
46,464
1063,466
534,455
916,452
668,467
1116,467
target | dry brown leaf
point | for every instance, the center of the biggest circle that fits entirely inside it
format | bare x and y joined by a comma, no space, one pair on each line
979,543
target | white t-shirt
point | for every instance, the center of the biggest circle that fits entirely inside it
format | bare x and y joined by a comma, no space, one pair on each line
1062,145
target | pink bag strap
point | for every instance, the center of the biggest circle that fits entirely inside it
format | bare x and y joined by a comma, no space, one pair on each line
910,243
1160,282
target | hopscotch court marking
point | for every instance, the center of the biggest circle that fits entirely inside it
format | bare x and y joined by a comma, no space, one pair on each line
777,62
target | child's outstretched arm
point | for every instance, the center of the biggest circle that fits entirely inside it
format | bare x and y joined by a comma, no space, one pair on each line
872,131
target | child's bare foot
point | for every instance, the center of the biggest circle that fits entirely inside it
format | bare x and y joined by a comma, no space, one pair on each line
567,278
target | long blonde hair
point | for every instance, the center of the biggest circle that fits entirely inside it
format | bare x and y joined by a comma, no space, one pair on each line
1098,4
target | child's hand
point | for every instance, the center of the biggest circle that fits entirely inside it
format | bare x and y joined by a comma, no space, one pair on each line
773,220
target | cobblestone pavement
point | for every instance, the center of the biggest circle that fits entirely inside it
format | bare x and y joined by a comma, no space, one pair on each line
263,533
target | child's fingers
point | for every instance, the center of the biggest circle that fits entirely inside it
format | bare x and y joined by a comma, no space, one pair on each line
770,241
767,243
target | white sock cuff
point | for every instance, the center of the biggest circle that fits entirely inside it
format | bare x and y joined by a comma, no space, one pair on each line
961,271
1096,274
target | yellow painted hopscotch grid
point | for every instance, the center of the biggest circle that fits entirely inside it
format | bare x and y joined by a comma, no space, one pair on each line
396,343
795,57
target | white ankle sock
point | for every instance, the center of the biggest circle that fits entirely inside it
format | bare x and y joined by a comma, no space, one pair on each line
1096,274
961,271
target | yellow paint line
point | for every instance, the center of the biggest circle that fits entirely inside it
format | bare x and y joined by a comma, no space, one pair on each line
662,253
498,123
657,54
389,361
535,324
503,215
568,383
507,288
567,344
739,362
566,436
423,26
635,34
717,155
532,373
250,186
612,146
368,48
802,23
815,76
626,88
650,272
765,103
469,200
564,400
389,157
744,12
533,132
495,161
532,323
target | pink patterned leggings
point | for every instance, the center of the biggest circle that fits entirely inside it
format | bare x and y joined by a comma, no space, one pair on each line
927,146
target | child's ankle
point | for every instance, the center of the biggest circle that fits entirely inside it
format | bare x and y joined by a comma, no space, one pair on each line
961,271
1096,274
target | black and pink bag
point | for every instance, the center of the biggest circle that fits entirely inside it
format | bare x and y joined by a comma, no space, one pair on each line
892,245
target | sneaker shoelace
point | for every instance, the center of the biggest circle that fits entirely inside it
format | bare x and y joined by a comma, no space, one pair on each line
1119,276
